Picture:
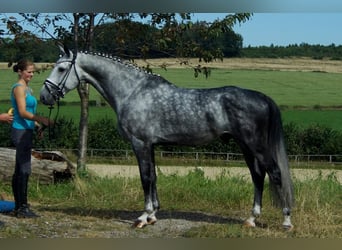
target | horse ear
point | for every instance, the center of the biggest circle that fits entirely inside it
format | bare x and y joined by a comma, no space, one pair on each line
66,50
63,49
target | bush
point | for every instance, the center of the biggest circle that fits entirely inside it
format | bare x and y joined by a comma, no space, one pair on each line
315,139
103,134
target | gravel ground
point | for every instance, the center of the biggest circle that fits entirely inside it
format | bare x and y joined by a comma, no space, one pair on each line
61,224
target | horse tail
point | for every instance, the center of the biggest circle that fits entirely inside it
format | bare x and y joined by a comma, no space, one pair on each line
281,186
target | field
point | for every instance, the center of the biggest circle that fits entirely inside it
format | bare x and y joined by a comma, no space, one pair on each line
193,205
313,83
308,91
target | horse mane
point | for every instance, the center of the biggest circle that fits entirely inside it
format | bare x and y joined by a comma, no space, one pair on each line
126,64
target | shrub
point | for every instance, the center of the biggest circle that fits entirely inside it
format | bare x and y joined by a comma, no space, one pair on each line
103,134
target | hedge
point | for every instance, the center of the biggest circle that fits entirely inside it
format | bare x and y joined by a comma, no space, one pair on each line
315,139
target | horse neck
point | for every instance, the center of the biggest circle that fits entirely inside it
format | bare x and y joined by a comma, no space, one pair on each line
112,79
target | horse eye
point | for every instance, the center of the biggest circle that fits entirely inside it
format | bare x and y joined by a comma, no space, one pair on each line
60,70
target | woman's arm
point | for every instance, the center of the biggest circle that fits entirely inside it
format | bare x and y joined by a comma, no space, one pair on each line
20,97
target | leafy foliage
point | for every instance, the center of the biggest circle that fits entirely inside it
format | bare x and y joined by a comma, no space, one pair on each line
103,134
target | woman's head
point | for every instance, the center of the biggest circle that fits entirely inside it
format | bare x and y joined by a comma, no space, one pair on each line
22,65
25,70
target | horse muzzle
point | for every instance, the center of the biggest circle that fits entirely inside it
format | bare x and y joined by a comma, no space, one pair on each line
50,93
45,97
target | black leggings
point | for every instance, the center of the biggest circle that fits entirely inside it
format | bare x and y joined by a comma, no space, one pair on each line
22,140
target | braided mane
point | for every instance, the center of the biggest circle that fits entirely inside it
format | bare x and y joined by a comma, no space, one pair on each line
121,61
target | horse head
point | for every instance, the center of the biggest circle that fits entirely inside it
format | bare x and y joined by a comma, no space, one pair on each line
63,77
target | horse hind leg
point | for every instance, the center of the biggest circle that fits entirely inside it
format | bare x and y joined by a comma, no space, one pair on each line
280,186
258,177
282,194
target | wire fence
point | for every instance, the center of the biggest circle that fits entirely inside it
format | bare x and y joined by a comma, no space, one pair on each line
128,155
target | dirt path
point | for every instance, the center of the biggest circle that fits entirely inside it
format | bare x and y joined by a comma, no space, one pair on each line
210,172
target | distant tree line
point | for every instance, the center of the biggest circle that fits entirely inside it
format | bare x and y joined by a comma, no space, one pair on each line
332,51
139,40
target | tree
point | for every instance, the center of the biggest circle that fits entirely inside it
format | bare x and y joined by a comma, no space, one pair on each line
169,33
83,91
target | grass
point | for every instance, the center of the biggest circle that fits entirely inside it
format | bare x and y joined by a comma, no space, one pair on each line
220,205
287,88
304,118
305,97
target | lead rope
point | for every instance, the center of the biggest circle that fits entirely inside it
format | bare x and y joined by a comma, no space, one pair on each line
52,130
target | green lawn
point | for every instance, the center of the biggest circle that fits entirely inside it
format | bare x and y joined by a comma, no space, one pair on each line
286,88
329,118
290,90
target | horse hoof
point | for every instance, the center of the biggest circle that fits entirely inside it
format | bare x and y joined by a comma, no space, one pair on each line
151,221
288,228
139,224
249,223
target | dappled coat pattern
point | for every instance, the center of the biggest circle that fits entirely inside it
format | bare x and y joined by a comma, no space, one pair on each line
151,111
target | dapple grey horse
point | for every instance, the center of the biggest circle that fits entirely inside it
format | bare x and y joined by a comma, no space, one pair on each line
150,111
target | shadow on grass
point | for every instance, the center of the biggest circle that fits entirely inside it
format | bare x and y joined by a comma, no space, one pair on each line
129,216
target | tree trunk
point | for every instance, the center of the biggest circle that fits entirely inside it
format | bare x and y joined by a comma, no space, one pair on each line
83,91
48,167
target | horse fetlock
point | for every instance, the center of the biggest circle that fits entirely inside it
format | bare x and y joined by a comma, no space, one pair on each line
287,225
256,211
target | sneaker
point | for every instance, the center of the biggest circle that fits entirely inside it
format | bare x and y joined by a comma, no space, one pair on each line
25,212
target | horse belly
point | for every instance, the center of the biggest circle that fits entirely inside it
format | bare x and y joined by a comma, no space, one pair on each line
189,131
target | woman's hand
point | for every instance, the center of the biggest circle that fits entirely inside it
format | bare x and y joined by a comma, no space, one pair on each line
5,117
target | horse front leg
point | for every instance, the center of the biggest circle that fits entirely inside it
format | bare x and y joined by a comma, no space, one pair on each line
145,157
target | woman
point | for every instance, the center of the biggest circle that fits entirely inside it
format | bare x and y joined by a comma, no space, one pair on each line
23,125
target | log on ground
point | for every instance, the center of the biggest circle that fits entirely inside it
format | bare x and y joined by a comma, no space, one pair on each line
48,167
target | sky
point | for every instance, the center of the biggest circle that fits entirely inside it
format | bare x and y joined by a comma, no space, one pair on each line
283,29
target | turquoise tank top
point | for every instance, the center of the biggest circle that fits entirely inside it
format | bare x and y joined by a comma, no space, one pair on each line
31,106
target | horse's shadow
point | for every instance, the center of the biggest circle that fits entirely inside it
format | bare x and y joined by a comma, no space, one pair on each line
127,216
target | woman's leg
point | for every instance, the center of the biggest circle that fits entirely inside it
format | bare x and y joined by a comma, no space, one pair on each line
22,140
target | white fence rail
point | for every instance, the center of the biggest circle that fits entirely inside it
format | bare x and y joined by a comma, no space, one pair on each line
197,156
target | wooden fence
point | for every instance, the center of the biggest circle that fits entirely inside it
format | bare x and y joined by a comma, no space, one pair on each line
197,156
